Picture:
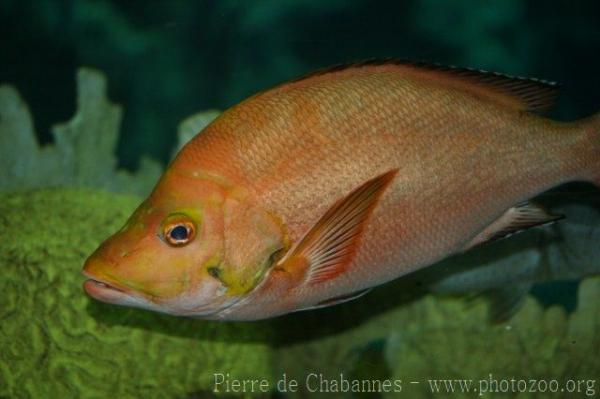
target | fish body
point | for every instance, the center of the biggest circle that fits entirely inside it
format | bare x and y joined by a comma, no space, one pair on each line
318,189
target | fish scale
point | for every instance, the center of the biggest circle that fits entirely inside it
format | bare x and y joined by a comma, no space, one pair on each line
420,126
443,153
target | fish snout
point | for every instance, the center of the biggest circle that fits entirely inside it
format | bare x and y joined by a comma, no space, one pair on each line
108,258
95,268
100,284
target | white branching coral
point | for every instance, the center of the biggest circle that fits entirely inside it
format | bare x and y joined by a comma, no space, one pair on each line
83,153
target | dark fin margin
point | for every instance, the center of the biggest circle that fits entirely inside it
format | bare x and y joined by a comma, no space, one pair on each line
536,95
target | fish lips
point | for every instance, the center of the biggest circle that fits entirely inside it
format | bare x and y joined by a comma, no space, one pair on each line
104,292
109,292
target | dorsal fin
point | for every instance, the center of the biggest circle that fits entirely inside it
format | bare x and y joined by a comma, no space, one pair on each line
522,93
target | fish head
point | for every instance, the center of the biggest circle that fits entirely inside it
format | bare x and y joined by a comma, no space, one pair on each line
195,247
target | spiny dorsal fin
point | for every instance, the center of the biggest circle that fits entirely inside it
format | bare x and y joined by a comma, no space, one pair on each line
526,94
330,245
516,219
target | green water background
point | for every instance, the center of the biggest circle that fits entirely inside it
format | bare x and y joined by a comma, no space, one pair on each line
168,59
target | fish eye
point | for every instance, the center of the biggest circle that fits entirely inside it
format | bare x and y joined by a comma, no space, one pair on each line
179,233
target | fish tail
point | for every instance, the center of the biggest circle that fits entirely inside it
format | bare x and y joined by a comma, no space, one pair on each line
591,126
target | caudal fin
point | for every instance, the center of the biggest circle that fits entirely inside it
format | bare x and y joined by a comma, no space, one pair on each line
592,161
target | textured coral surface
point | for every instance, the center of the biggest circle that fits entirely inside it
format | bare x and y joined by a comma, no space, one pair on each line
55,342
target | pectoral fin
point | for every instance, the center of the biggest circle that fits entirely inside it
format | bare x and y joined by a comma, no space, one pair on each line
330,245
516,219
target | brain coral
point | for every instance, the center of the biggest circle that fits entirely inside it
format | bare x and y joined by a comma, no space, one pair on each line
55,342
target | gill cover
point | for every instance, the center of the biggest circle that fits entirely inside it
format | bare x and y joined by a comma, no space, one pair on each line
251,238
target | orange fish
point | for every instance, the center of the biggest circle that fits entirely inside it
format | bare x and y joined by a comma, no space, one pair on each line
311,193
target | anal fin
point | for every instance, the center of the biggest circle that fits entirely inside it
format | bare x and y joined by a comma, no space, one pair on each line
516,219
506,301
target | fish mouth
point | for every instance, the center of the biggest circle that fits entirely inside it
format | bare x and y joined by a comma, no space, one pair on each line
105,291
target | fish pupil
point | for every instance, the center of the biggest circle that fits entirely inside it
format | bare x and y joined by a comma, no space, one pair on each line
179,233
